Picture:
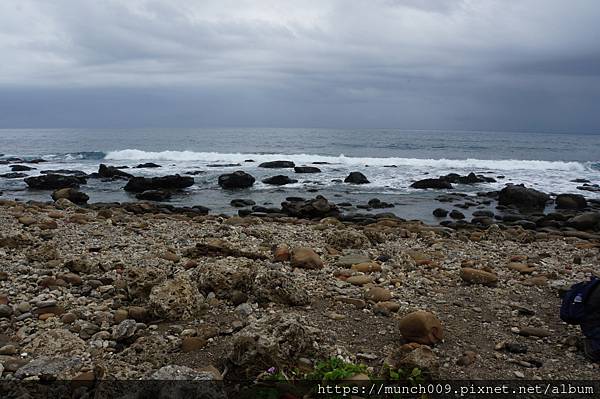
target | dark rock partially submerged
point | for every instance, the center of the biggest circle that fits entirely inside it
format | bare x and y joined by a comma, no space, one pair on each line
112,172
20,168
154,195
238,179
73,195
318,207
279,180
356,178
570,201
522,197
432,183
54,182
277,164
307,169
148,165
14,175
170,182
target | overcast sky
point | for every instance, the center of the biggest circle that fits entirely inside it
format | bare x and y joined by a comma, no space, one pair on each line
528,65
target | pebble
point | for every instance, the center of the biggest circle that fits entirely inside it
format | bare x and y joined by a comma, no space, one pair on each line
361,279
6,310
190,344
475,276
378,294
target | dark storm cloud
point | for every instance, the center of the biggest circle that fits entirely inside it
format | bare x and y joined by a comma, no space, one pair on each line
444,64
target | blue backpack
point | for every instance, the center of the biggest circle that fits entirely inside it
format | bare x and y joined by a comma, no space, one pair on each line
572,309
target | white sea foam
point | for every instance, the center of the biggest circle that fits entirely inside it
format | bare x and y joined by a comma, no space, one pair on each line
479,164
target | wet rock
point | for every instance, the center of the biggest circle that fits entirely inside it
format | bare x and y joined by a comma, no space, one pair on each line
307,169
147,165
176,299
111,172
376,203
421,327
440,213
14,175
319,207
432,183
20,168
154,195
279,287
570,201
522,197
475,276
73,195
238,179
356,178
279,180
585,221
455,214
170,182
54,182
277,164
240,203
305,258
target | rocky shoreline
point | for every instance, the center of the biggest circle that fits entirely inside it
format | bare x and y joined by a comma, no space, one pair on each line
150,291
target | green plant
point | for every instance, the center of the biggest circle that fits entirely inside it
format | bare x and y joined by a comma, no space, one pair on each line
335,369
414,376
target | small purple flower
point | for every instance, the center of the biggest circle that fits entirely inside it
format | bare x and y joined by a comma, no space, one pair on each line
271,370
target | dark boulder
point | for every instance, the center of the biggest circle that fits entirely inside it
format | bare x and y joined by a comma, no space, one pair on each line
432,183
20,168
522,197
54,182
148,165
318,207
170,182
14,175
112,172
240,203
585,221
154,195
279,180
376,203
73,195
570,201
307,169
457,214
471,178
440,213
237,179
356,178
277,164
483,213
594,188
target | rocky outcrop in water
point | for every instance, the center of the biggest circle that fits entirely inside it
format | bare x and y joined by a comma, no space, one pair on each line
54,182
171,182
238,179
523,198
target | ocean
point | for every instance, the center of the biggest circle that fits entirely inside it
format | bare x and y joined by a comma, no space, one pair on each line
391,159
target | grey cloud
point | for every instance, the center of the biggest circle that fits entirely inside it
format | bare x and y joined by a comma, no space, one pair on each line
397,63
